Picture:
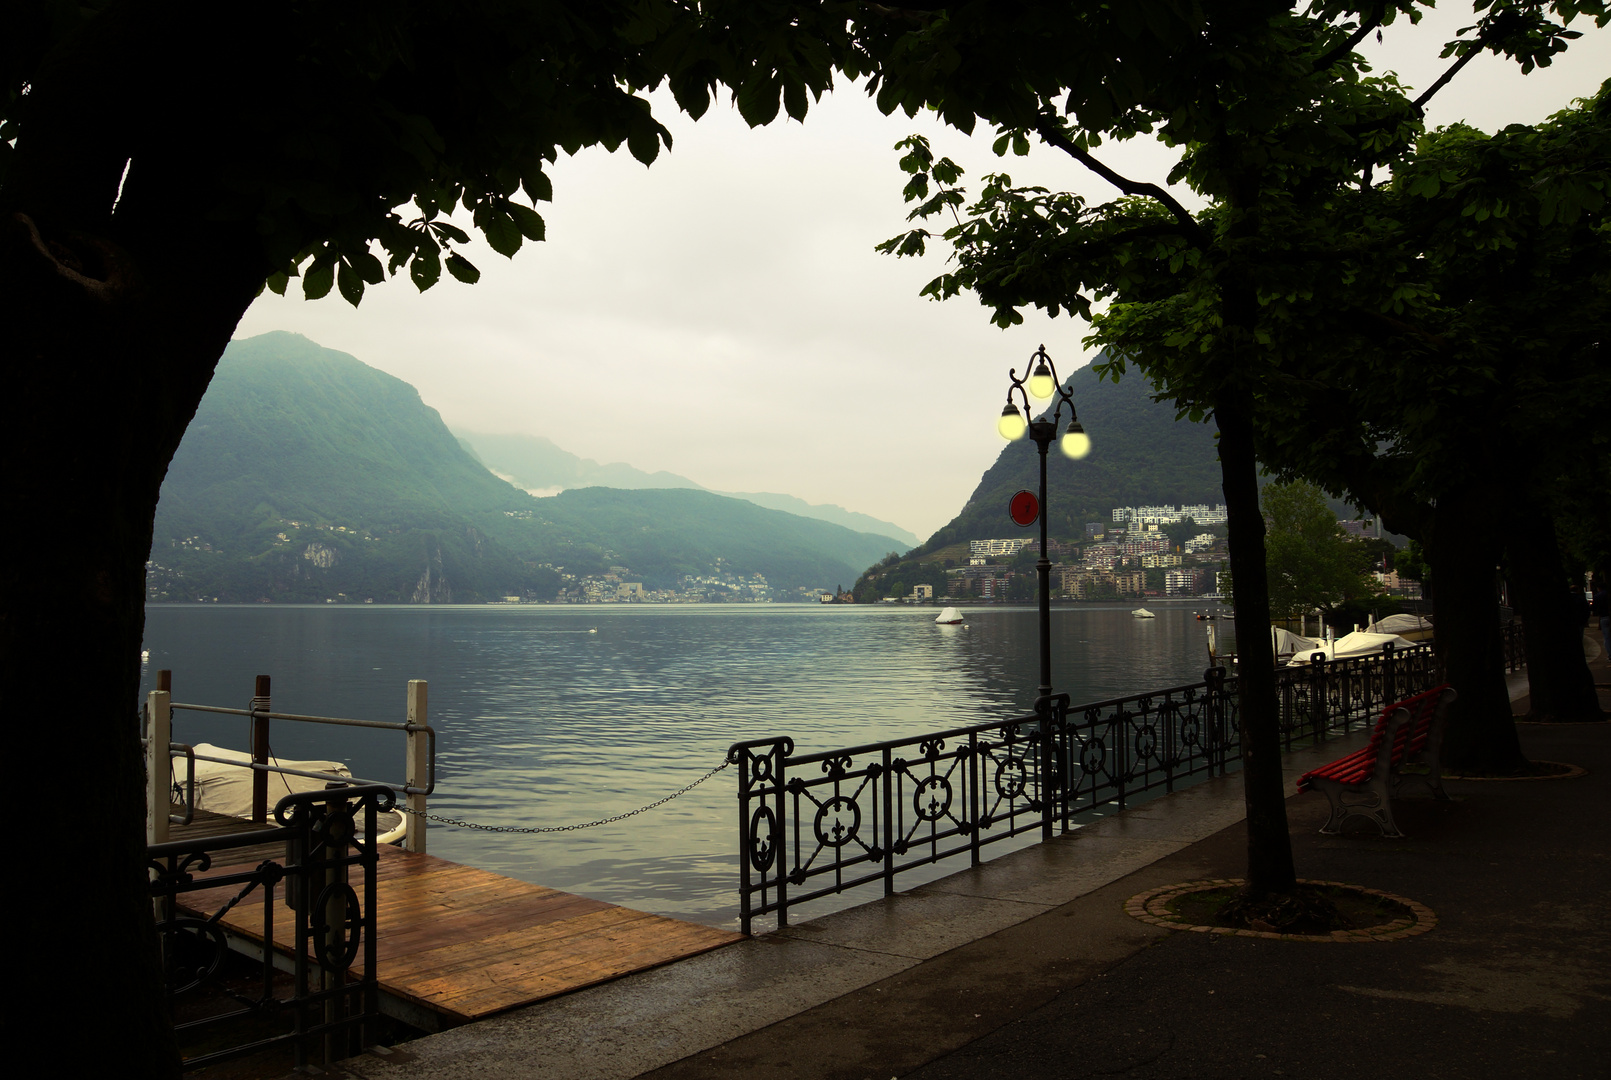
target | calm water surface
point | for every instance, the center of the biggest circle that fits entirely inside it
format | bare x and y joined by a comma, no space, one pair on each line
554,715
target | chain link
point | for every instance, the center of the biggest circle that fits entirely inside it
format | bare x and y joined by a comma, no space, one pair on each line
560,828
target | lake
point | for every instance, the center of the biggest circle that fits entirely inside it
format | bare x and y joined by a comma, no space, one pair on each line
550,715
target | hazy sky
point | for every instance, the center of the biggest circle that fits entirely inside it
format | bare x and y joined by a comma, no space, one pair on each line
722,314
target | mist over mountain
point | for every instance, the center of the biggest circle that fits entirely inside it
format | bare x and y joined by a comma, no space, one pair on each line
542,468
308,476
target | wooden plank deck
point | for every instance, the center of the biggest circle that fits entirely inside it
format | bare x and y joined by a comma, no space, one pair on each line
465,943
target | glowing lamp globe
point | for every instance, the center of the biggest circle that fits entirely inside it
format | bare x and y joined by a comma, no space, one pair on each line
1011,425
1041,384
1075,443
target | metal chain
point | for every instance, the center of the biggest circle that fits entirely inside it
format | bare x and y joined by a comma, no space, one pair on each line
560,828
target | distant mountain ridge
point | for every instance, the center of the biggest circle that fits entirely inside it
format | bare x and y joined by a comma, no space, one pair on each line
539,466
307,475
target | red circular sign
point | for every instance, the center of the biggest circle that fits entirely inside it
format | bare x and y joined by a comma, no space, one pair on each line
1024,508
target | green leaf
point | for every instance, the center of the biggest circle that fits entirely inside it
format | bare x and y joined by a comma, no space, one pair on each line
758,99
426,269
528,221
499,229
368,268
277,282
794,99
463,269
350,284
317,281
449,232
643,143
538,186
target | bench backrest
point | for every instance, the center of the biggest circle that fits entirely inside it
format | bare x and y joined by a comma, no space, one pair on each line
1409,738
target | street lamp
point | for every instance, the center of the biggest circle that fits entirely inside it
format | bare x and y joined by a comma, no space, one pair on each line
1041,382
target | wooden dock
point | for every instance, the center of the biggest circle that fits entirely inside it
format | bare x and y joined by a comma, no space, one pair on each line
456,944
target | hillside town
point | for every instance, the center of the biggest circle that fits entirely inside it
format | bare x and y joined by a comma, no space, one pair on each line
1143,552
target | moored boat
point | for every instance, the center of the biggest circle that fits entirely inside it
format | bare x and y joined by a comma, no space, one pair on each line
1143,613
948,617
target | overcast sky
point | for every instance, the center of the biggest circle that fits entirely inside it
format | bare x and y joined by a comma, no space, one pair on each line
722,314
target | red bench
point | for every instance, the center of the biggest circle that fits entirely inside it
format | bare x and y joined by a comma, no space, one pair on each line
1364,783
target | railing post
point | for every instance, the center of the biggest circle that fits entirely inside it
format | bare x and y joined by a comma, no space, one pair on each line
417,767
975,802
1046,773
888,802
334,885
1317,698
260,749
1389,683
158,767
746,846
782,846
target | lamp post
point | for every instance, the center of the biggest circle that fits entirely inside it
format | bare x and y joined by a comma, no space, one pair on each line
1041,382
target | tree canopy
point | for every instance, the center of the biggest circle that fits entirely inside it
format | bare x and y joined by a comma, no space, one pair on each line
1311,562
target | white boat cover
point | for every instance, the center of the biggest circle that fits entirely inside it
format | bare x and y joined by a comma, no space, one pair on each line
1399,624
1359,643
1287,643
1143,613
948,615
227,789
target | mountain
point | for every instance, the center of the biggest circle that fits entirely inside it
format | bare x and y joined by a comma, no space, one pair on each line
542,468
307,475
1140,455
536,464
838,515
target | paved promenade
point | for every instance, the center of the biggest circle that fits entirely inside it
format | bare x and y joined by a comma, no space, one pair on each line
1028,967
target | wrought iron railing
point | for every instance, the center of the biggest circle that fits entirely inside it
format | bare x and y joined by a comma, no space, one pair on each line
815,824
1515,646
326,835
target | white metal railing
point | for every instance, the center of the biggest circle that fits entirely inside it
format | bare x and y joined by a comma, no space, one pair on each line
419,761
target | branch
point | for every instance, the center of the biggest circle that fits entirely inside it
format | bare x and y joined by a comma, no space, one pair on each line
1157,228
1477,45
1190,229
1355,38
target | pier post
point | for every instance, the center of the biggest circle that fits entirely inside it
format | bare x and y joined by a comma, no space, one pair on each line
260,750
158,770
417,767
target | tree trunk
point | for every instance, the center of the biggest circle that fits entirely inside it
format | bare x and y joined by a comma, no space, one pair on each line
1560,686
1270,869
109,364
1481,737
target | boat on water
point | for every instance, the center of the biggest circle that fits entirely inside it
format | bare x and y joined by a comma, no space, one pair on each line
948,617
1143,613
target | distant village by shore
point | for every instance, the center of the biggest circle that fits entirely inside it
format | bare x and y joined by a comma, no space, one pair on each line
1143,552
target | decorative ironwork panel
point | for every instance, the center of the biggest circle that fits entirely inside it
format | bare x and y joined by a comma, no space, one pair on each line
815,824
327,835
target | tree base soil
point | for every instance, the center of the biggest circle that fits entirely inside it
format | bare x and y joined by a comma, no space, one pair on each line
1316,910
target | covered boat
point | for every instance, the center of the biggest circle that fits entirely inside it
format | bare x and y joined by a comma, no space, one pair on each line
1410,627
1359,643
227,788
948,617
1143,613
